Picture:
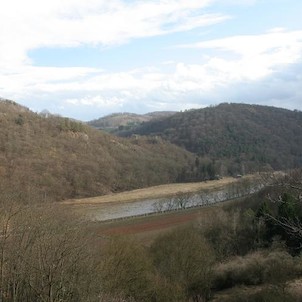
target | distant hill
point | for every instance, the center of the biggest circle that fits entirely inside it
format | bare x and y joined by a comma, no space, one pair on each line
46,157
126,121
235,138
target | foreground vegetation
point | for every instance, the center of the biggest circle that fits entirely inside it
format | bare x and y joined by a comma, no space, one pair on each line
244,251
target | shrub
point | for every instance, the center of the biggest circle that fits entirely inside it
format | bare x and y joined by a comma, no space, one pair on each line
185,258
126,270
257,268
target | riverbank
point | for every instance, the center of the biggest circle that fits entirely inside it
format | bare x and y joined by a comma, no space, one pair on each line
161,191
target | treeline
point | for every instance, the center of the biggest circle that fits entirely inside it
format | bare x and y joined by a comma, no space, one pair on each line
236,138
239,252
53,158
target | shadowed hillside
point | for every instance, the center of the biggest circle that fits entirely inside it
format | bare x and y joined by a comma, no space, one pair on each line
236,138
53,158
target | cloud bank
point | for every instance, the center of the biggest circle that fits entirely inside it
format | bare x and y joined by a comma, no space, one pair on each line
261,68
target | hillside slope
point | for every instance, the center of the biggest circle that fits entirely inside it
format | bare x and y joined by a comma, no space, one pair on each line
236,138
55,158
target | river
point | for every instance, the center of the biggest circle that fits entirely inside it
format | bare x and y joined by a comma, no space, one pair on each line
112,211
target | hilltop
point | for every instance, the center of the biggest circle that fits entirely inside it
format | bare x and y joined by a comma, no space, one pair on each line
126,121
54,158
235,138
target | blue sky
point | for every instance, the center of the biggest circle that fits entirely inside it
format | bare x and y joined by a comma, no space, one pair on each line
87,59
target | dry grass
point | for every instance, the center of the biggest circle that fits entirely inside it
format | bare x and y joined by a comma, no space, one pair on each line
161,191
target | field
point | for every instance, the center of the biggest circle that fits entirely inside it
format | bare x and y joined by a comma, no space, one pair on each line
148,228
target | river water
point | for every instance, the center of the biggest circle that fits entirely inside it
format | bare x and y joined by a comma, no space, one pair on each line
111,211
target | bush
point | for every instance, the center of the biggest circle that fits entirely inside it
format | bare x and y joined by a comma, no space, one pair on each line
184,257
234,233
257,268
126,270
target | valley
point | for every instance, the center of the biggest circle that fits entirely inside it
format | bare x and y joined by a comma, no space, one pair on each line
150,151
86,213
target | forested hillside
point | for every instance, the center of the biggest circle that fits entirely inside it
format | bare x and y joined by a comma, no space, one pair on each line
236,138
52,158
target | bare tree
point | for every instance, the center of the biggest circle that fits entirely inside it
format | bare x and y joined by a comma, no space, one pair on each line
181,200
185,259
44,257
285,186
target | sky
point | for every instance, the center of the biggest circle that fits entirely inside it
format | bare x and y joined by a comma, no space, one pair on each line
85,59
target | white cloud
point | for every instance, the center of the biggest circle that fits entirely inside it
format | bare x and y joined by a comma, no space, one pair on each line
257,56
237,2
251,45
26,25
28,79
96,101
